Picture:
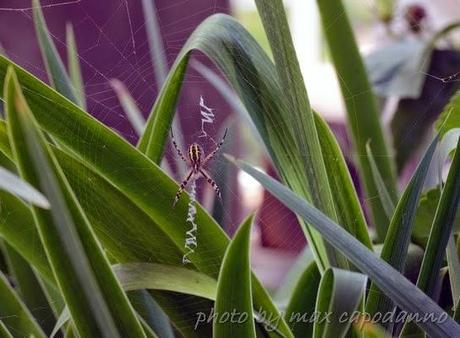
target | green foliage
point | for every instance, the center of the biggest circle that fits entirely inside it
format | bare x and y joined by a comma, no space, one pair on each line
91,236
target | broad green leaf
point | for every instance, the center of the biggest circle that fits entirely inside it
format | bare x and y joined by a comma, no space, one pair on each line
16,186
386,199
73,61
397,240
29,289
4,332
136,276
234,293
303,126
339,295
95,299
361,105
14,314
130,108
55,68
301,306
440,232
405,294
140,181
450,117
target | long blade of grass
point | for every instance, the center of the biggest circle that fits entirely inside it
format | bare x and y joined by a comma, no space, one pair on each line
397,240
360,104
234,288
339,293
18,187
73,61
389,280
55,68
97,303
303,301
15,316
276,26
441,230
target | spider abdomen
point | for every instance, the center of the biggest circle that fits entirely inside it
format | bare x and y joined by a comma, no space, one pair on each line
194,154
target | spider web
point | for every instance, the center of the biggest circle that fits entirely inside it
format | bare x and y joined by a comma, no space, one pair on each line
112,43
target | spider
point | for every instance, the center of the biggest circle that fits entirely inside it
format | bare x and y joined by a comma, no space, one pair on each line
196,163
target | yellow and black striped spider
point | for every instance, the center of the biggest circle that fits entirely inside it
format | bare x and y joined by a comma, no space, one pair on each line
196,163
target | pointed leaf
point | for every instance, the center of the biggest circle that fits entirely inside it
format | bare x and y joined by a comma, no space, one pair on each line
73,60
303,301
55,68
234,293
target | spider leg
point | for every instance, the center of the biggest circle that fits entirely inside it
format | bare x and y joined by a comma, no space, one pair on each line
211,182
211,155
182,187
179,152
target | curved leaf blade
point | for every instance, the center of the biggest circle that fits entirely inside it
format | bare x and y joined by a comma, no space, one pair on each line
339,293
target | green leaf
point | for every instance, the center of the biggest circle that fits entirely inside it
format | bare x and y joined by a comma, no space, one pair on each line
361,105
234,293
453,262
73,61
4,332
15,316
397,240
96,301
55,68
303,126
129,106
339,293
406,295
16,186
140,181
441,230
302,303
450,117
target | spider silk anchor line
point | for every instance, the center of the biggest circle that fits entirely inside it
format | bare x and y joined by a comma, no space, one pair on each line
190,235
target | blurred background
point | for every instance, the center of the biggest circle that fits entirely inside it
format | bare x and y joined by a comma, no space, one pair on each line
414,72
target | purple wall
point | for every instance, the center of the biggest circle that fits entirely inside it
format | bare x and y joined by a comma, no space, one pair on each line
105,45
